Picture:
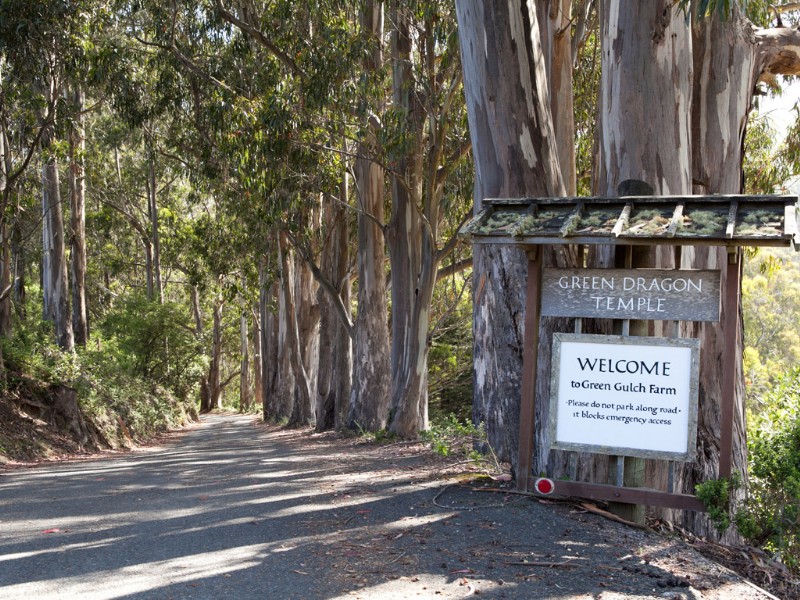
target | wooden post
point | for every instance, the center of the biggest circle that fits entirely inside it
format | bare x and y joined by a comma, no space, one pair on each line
731,332
530,358
632,469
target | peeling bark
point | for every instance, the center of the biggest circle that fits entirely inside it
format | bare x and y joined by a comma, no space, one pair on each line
306,353
412,247
335,349
514,148
369,398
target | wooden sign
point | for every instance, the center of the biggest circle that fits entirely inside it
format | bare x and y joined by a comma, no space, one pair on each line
625,396
642,294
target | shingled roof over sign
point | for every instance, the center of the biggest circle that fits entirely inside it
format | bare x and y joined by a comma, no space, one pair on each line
639,220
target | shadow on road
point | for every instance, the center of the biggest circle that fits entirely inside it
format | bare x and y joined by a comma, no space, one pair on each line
237,510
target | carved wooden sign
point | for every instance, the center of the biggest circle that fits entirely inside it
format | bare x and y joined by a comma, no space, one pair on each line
627,396
642,294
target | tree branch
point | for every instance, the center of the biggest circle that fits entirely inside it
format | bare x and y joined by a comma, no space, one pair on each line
325,284
262,39
230,378
452,161
186,62
778,50
451,243
457,267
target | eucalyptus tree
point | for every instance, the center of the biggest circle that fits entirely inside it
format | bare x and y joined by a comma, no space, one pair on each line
260,104
515,153
43,48
425,142
77,194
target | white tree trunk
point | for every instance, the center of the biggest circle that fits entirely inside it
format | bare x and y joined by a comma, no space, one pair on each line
77,189
152,209
307,321
412,244
55,288
245,395
729,58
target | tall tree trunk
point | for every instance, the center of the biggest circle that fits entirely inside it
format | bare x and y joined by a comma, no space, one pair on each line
645,97
55,288
729,58
269,348
294,392
152,209
272,358
214,379
644,134
5,245
18,252
335,348
245,397
148,268
369,399
6,285
196,314
258,375
77,192
513,145
412,247
555,20
307,351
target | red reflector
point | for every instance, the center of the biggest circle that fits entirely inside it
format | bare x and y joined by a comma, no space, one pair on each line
544,486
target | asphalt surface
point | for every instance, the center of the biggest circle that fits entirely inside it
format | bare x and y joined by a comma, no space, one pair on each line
234,510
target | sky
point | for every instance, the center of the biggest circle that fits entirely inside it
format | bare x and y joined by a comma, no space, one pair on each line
781,115
779,110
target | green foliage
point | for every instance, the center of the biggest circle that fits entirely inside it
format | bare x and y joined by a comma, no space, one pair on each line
765,170
450,436
770,517
706,8
771,308
32,353
586,86
450,354
154,342
716,495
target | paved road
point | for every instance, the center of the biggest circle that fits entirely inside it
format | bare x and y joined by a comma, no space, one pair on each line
234,510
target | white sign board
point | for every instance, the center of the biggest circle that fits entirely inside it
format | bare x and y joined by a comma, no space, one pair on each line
627,396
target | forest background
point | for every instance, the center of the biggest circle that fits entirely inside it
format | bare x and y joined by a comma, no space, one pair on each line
255,205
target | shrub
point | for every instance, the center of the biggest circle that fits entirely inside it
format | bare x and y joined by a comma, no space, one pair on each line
770,517
154,342
448,435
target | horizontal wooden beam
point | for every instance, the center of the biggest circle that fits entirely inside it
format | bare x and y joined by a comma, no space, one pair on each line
631,240
643,496
689,199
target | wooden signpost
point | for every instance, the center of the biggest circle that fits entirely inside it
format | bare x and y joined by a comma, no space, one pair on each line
645,294
623,395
